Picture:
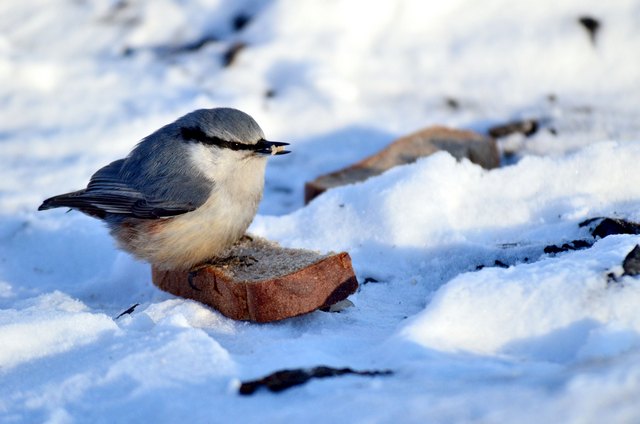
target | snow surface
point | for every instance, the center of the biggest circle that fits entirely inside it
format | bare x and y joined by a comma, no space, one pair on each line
549,339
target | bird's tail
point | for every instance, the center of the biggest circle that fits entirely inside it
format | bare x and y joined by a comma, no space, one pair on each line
69,200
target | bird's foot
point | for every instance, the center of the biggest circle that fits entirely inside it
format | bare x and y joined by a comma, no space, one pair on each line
192,274
244,260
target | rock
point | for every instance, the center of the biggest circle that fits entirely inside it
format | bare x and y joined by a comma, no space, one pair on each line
611,226
631,263
285,379
461,144
526,127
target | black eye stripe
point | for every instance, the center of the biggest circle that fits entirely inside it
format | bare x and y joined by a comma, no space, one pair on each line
196,134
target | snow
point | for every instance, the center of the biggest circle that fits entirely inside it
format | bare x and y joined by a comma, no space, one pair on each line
550,338
47,325
557,307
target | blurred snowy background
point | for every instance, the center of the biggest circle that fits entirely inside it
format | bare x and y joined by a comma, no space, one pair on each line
549,339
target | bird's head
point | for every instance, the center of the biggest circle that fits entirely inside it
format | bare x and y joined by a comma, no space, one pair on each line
228,129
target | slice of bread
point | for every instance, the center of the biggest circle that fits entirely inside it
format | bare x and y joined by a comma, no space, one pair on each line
460,144
258,280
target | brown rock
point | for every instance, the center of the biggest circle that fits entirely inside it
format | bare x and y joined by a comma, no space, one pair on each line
461,144
260,281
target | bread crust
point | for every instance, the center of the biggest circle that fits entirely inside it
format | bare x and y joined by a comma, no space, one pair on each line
263,294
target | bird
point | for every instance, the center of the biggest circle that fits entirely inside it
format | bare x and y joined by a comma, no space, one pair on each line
185,193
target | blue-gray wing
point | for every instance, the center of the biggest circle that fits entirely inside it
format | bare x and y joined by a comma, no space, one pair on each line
110,194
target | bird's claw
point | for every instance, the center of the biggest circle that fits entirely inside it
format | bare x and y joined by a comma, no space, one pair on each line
224,262
190,278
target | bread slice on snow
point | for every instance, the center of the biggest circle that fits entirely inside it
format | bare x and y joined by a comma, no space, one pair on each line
258,280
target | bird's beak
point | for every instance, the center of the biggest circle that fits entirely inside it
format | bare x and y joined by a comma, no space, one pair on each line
271,147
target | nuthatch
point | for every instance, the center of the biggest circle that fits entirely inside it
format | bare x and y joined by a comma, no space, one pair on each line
185,193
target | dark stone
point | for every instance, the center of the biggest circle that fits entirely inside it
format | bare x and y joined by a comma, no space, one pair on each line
591,25
452,103
552,249
240,21
230,55
572,245
370,280
285,379
631,263
497,263
195,45
128,311
610,226
581,244
500,264
527,127
590,221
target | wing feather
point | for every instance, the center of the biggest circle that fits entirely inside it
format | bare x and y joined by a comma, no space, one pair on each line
108,193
